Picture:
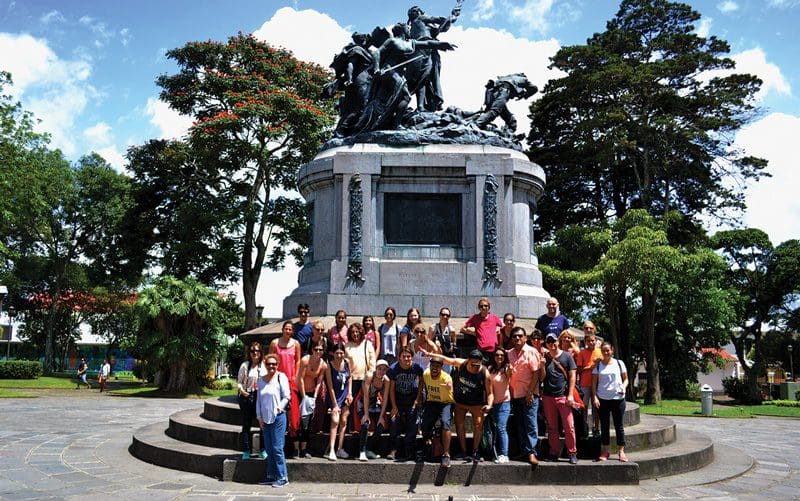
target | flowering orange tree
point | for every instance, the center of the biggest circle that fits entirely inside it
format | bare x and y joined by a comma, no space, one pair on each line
258,116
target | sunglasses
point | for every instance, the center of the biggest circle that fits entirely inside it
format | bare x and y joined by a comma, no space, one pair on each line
518,336
304,312
482,306
419,332
318,349
444,315
271,364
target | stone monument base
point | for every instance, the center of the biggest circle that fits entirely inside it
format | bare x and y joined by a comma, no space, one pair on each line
424,226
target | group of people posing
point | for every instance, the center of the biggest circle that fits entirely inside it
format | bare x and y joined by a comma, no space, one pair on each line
408,379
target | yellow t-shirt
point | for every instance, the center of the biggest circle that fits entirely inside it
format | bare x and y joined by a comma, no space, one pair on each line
439,389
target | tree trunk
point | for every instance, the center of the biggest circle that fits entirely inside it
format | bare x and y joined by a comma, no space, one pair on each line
653,394
249,286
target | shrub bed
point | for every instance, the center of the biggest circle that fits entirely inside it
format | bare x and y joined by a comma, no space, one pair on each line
20,369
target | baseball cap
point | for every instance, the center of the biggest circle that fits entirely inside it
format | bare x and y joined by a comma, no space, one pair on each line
381,362
437,360
551,337
476,354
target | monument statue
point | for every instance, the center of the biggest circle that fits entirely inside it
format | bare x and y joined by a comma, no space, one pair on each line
424,73
351,69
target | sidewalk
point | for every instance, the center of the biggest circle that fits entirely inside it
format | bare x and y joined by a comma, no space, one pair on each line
66,445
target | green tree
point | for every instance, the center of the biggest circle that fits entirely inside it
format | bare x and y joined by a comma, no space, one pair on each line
258,115
638,121
766,278
65,219
180,332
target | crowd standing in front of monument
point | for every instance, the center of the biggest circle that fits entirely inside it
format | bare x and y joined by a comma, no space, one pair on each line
402,388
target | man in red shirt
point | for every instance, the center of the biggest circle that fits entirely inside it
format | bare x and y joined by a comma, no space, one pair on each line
485,326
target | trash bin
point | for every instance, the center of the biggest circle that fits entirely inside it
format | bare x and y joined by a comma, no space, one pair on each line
707,400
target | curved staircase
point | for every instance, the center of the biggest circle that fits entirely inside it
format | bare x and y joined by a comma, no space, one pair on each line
208,443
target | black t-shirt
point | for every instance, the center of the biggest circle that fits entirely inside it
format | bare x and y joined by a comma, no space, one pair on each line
555,384
469,388
406,383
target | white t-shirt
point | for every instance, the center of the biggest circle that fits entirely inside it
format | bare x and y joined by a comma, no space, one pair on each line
609,379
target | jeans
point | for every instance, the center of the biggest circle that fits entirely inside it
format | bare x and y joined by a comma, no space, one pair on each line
247,412
406,424
500,414
553,408
526,423
273,438
616,409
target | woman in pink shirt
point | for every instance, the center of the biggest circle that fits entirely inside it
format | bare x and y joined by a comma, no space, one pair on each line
500,374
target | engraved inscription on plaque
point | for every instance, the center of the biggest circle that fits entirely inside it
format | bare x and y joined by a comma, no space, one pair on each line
422,219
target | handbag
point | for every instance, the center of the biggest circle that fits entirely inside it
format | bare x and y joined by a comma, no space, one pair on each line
577,392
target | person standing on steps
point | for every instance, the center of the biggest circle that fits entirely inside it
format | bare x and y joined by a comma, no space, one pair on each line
274,396
552,322
247,386
558,401
609,383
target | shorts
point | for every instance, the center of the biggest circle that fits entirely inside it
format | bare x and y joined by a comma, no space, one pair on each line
434,411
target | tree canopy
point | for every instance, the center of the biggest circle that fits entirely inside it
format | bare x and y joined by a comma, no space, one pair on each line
642,119
258,115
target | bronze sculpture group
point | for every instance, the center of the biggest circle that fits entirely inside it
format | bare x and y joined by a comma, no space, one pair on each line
377,87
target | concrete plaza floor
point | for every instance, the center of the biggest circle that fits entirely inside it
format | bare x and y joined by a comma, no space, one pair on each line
74,445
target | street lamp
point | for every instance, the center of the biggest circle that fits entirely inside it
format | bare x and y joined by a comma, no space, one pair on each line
259,312
791,362
12,314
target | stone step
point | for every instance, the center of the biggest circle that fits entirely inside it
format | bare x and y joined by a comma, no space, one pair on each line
188,426
690,451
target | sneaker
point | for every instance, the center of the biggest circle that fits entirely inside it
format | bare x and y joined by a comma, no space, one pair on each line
391,455
603,457
245,456
331,456
445,461
280,483
372,455
343,454
573,459
263,454
596,432
362,456
306,454
268,481
460,456
419,458
623,457
501,459
476,457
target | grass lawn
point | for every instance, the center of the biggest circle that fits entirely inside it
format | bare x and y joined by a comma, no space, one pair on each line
14,394
692,408
60,383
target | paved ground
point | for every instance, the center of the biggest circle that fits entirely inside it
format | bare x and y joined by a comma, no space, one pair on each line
74,445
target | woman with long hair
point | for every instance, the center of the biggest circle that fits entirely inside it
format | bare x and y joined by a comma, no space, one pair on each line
444,335
609,383
361,355
500,374
339,383
289,354
247,387
370,334
273,398
413,319
389,334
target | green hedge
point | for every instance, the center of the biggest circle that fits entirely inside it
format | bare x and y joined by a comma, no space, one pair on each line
786,403
20,369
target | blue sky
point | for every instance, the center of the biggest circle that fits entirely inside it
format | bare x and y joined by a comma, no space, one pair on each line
87,68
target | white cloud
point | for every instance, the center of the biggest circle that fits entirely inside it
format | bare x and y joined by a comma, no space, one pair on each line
171,124
99,28
113,157
703,28
53,16
728,6
783,4
484,11
125,36
54,89
98,134
532,15
772,203
754,61
282,30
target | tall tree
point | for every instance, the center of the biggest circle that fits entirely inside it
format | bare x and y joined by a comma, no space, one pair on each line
258,115
640,121
767,280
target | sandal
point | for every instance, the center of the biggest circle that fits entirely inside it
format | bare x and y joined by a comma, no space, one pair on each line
623,457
